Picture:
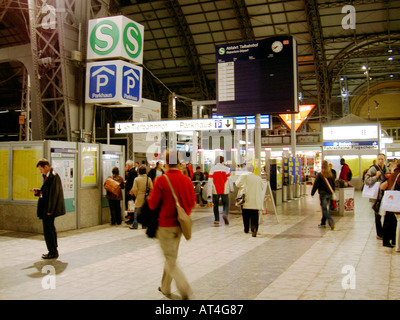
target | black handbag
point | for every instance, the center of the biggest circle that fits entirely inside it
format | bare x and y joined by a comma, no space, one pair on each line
376,205
149,217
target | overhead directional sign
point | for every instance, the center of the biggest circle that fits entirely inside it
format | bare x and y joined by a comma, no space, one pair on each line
113,82
175,125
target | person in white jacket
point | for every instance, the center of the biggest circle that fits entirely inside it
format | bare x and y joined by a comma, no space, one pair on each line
252,186
218,186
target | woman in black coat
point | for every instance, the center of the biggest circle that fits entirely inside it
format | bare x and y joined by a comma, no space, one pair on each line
325,184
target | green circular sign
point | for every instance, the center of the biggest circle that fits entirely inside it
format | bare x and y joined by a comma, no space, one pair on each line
132,40
104,37
221,51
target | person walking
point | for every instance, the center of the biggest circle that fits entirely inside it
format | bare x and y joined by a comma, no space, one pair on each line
50,205
169,231
198,179
325,184
131,175
114,200
156,171
141,186
252,187
377,173
390,221
218,186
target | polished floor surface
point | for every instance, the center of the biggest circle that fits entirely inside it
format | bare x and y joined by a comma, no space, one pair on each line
291,258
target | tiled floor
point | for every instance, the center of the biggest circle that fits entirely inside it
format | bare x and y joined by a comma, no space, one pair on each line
289,259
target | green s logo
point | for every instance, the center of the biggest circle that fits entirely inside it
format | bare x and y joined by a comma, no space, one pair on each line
132,40
221,51
104,37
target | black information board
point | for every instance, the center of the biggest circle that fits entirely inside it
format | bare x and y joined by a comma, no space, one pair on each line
257,77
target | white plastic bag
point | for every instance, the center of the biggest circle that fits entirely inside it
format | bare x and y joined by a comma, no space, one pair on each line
372,191
131,205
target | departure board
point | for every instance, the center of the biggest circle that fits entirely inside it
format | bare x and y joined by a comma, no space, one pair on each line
257,77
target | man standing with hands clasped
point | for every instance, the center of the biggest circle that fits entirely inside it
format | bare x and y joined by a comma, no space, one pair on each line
377,173
50,205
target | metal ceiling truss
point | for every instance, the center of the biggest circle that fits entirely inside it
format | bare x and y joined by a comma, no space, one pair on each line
49,63
321,69
200,79
243,18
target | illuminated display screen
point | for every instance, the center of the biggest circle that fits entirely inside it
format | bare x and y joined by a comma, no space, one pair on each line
367,132
265,122
257,77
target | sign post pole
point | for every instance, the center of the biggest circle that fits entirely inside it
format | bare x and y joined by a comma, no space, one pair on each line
257,144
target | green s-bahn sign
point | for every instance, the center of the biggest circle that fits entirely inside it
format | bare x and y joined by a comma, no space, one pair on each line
115,37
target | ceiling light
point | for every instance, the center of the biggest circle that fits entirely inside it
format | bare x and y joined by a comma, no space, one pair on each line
390,58
390,50
364,67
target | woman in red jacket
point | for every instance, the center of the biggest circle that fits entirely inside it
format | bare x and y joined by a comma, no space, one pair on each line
169,232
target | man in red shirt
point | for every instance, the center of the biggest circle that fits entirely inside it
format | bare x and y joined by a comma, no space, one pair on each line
344,171
169,231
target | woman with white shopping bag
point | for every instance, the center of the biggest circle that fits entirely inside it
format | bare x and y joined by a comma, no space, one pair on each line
325,184
377,173
391,201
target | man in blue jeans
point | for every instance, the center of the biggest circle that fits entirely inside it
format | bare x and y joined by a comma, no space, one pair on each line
218,186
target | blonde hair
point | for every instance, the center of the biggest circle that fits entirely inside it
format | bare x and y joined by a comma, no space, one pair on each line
325,169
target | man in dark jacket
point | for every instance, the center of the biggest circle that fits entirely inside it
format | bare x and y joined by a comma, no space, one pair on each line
50,205
131,175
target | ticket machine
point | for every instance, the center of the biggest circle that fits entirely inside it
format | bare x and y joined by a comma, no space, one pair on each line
276,181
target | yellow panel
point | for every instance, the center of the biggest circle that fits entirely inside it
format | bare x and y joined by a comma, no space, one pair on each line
25,174
366,162
89,170
4,174
354,165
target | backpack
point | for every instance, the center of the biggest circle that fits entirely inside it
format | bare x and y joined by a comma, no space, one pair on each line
349,175
112,186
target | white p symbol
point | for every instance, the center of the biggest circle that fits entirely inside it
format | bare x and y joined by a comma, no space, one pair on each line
100,77
130,80
99,83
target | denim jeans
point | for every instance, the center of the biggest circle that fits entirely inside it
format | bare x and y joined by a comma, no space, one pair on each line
225,204
325,200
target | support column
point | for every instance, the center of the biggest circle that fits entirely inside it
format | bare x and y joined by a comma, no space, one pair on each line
257,144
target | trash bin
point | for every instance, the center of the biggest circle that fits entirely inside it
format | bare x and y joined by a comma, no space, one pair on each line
344,201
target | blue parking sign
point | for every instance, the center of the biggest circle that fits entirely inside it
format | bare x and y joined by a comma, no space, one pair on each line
130,84
103,80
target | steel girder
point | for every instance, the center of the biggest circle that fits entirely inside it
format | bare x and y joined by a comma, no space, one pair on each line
243,18
49,63
321,69
186,38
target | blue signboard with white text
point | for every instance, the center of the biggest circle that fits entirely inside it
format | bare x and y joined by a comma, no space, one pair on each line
102,83
130,83
113,82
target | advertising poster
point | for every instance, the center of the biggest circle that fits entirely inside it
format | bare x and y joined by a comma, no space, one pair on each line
4,174
25,175
89,165
63,162
348,199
